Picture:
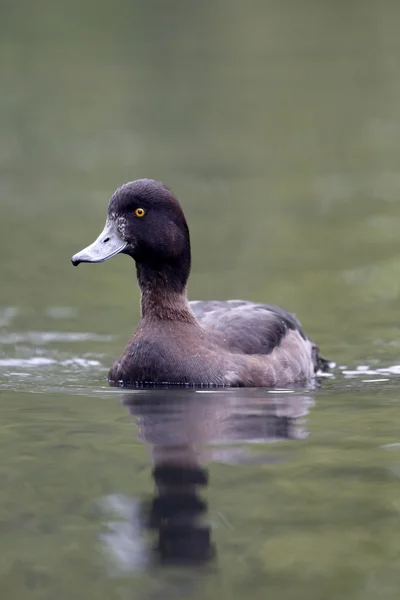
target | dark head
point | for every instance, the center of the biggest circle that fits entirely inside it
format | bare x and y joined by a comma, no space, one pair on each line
146,222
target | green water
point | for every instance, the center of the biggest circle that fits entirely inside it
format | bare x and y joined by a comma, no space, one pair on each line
277,124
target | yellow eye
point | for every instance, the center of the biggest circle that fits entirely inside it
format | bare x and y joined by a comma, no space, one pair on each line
139,212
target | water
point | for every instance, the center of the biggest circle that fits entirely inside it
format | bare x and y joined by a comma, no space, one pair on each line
277,125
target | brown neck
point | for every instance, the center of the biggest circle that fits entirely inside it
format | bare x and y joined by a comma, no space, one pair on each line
157,304
163,295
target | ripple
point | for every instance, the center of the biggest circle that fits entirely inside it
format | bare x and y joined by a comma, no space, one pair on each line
60,312
41,361
48,337
7,314
394,370
362,370
60,374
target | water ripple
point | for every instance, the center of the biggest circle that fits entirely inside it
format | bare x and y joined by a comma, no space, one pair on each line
47,337
362,370
41,361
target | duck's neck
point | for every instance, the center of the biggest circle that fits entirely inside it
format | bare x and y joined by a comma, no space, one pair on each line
163,292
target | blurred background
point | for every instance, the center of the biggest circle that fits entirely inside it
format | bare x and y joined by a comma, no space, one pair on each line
277,125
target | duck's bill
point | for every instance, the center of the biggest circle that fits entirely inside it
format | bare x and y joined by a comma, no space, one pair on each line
108,244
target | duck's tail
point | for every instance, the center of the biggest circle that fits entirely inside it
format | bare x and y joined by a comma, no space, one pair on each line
321,364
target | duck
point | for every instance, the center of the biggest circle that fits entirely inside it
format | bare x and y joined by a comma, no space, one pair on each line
217,343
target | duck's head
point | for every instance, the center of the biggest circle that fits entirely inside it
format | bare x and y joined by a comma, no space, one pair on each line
146,222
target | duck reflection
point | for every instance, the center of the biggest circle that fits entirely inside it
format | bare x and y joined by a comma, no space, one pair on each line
185,429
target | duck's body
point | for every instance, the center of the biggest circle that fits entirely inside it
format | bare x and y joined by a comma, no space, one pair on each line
232,343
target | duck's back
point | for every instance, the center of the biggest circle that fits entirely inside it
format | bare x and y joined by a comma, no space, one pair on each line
250,327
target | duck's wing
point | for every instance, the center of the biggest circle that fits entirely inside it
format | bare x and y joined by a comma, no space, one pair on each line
251,328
